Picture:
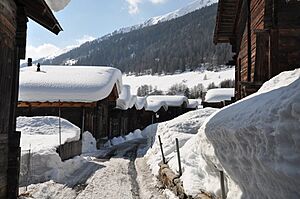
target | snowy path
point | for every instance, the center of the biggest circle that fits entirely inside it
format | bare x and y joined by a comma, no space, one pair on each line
119,173
123,176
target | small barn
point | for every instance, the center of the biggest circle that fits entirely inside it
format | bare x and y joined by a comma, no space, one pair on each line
218,97
84,95
13,30
176,105
265,39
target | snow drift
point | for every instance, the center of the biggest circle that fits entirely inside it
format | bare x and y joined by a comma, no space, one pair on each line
257,140
43,132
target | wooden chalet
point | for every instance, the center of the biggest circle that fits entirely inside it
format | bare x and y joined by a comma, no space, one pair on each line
265,37
90,111
13,28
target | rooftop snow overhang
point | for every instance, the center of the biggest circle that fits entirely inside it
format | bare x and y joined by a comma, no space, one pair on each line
40,12
225,21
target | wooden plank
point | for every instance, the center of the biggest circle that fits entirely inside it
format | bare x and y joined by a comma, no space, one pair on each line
56,104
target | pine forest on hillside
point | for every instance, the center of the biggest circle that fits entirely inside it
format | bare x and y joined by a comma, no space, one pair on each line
179,44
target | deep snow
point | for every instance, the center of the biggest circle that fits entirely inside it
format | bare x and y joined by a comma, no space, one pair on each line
68,83
219,94
42,132
257,139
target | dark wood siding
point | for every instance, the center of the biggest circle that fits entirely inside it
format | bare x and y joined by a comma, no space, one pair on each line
7,68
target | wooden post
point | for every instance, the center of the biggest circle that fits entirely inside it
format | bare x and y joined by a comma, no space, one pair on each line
222,181
162,151
178,157
82,122
59,125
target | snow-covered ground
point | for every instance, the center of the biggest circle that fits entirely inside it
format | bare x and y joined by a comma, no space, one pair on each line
42,133
190,79
254,141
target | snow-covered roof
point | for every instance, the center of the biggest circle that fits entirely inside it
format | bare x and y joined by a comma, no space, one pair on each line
140,103
156,106
68,83
126,100
170,100
194,103
219,94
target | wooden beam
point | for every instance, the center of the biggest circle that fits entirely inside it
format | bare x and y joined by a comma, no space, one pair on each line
56,104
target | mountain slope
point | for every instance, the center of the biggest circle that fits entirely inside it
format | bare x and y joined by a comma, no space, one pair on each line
184,42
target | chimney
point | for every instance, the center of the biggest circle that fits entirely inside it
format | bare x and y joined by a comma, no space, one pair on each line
38,67
29,62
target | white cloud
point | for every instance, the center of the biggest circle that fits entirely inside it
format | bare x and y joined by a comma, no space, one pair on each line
158,1
51,50
133,7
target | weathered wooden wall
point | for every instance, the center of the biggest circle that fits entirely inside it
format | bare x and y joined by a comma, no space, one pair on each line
70,150
257,23
8,78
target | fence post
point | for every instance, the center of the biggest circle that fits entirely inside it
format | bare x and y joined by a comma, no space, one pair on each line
28,167
178,157
222,181
161,149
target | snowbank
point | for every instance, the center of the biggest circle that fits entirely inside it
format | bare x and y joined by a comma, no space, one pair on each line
89,143
219,94
68,83
121,139
257,139
43,132
183,127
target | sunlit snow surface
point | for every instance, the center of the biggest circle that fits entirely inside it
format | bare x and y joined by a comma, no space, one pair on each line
68,83
190,79
257,139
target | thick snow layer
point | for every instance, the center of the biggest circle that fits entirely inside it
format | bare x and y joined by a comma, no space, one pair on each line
171,100
89,143
219,94
122,139
190,79
43,132
126,100
183,127
47,165
141,102
68,83
156,106
57,5
257,140
194,103
199,163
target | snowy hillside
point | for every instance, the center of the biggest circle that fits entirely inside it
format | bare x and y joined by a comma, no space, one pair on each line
195,5
190,79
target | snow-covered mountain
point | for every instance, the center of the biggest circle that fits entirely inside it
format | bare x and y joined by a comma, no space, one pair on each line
195,5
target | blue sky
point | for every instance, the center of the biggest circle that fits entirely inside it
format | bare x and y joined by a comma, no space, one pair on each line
84,20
